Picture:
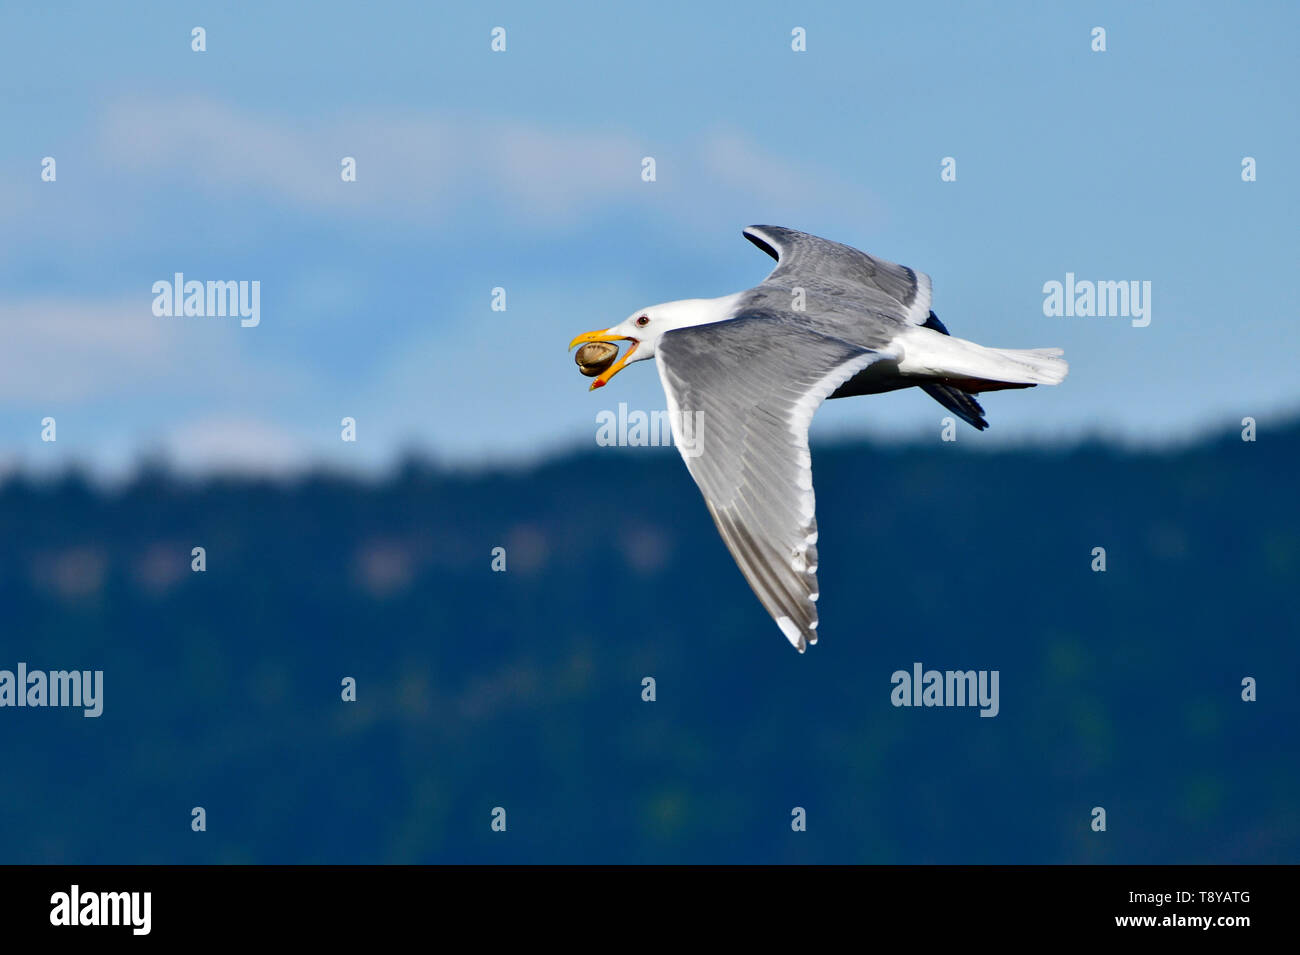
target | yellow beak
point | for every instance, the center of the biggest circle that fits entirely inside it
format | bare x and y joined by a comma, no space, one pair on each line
603,379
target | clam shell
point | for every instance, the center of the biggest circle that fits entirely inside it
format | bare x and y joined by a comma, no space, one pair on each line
594,357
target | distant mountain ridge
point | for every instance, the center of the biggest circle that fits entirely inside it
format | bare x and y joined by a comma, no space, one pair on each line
523,689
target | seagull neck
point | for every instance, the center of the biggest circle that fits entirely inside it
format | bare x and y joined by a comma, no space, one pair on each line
702,311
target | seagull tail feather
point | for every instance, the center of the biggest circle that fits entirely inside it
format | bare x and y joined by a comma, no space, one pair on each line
974,368
1020,366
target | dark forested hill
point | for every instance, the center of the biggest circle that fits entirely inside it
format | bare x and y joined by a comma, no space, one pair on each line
522,689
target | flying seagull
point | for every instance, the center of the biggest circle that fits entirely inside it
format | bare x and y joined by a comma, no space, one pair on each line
828,322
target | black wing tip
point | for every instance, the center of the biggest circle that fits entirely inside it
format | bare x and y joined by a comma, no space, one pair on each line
933,321
959,402
749,233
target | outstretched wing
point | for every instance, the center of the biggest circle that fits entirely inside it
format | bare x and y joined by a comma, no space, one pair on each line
741,394
803,259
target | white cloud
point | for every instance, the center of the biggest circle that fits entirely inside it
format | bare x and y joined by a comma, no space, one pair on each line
71,350
235,444
416,167
57,350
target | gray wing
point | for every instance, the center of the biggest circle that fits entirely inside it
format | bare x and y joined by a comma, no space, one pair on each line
837,270
741,394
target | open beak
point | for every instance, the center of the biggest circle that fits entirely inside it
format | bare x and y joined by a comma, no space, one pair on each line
603,379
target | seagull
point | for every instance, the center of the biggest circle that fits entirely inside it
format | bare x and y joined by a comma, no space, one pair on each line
752,368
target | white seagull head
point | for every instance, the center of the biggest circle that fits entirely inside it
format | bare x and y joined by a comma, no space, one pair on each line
644,327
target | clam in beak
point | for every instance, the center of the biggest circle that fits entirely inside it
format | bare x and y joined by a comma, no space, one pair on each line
603,336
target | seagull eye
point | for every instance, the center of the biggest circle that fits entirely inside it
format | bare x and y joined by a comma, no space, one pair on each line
643,321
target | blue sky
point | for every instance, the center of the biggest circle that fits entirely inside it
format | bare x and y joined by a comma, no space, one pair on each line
522,170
